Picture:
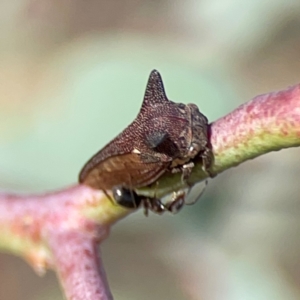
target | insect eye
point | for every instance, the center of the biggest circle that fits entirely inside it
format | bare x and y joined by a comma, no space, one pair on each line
126,197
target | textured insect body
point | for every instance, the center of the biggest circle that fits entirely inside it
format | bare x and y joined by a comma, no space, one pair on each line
165,136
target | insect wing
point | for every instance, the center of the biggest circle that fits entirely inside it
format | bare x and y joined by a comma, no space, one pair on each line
126,169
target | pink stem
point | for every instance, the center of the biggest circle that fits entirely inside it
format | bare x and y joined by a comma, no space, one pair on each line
61,230
78,264
268,122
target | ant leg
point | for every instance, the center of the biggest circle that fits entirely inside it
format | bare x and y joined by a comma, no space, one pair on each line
146,206
154,205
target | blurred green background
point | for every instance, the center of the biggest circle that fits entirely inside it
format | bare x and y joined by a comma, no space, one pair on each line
73,75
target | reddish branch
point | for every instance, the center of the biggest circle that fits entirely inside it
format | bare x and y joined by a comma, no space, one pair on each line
267,123
78,264
61,230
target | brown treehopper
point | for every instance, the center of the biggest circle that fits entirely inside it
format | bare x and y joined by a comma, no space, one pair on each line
165,136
